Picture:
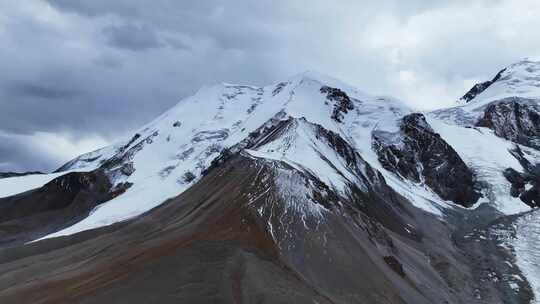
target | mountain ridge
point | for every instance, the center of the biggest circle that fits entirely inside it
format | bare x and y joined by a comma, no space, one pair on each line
313,173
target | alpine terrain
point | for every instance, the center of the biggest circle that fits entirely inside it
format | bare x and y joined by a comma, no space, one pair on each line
304,191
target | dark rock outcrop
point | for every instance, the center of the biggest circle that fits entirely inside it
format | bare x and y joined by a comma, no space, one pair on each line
525,185
342,102
480,87
515,119
57,204
419,154
17,174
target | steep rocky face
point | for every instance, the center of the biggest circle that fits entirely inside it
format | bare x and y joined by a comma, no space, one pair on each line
480,87
526,184
342,102
419,154
515,119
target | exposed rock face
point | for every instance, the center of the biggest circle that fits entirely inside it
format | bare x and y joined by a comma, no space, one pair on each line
57,204
419,154
342,102
515,119
525,185
480,87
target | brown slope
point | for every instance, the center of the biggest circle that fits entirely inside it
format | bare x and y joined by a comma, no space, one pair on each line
212,244
200,247
59,203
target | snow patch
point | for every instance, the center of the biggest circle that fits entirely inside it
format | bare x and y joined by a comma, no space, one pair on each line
488,156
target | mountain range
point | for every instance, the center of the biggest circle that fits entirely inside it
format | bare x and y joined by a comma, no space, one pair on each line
307,190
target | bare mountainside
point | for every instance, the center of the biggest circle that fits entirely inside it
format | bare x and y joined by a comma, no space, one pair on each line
307,190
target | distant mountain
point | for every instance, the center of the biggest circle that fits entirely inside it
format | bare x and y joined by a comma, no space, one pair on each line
307,190
15,174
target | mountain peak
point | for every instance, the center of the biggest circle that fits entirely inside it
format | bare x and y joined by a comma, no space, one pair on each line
308,174
520,79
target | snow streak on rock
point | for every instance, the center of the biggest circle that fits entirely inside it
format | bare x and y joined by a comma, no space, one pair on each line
527,249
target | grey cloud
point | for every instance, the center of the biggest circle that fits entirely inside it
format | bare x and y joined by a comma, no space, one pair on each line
17,155
131,37
177,44
30,90
108,62
110,66
94,8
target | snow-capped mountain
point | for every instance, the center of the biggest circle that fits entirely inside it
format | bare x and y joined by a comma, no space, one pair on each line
313,183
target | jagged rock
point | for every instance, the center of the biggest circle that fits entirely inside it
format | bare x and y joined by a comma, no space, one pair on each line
525,185
480,87
419,154
342,105
515,119
516,179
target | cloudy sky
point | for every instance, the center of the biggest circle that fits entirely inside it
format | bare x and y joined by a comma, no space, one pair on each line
76,75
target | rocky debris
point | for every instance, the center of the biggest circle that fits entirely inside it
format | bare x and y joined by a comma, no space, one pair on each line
487,245
480,87
419,154
395,265
516,119
342,102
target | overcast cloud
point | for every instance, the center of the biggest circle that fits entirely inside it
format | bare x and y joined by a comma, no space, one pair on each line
75,75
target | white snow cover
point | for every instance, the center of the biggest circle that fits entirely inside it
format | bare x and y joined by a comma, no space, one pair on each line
92,160
488,156
300,148
520,79
484,152
188,137
15,185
